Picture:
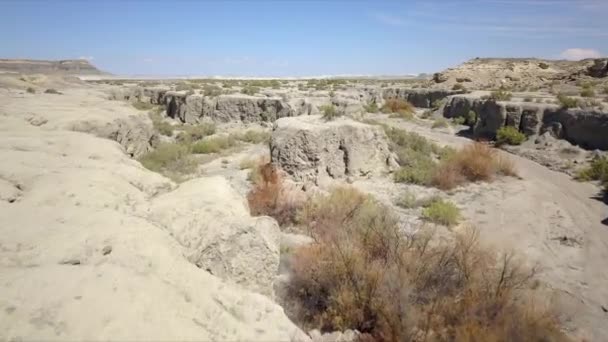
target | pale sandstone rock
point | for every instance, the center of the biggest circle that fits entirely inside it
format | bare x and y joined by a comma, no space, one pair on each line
311,149
81,260
212,221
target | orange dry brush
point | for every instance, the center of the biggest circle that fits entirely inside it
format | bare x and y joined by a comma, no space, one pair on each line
269,197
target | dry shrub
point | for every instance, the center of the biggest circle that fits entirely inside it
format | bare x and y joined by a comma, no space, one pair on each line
269,196
473,163
363,273
398,106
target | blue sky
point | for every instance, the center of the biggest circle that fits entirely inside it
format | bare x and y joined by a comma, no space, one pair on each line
291,37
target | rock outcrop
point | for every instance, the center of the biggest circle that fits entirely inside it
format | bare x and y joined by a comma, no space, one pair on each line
310,149
421,98
211,220
586,128
88,251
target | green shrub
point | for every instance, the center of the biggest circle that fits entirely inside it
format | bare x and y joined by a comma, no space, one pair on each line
442,212
329,112
440,123
528,99
52,91
169,158
501,95
543,65
164,128
509,135
597,170
371,107
418,170
31,90
567,102
213,145
587,92
461,120
471,118
458,86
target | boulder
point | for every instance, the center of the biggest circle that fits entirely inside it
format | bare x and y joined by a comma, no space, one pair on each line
212,221
310,149
134,133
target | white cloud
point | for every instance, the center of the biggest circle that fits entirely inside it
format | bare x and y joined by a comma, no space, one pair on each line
148,60
88,58
576,54
388,19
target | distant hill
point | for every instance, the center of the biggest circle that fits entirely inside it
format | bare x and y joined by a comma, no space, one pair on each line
64,67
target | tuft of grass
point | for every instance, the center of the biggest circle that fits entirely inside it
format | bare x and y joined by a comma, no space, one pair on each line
213,144
169,159
567,102
461,120
587,92
509,135
501,95
442,212
192,133
30,90
363,273
441,123
329,112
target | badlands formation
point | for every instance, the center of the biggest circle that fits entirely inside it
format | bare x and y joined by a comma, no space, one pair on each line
134,210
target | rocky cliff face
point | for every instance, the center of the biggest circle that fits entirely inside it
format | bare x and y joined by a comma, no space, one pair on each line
586,128
28,66
421,98
310,149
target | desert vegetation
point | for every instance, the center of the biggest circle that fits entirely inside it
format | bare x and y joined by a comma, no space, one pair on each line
425,163
362,272
509,135
398,108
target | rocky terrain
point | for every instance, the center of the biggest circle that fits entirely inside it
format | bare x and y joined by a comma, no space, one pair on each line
142,203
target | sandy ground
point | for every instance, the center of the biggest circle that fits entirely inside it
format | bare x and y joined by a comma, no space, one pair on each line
553,220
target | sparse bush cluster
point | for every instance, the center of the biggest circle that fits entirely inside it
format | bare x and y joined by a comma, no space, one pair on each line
371,107
398,108
140,105
415,154
363,273
509,135
501,95
567,102
597,170
172,160
441,212
473,163
329,112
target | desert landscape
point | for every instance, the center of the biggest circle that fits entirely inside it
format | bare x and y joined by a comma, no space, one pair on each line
210,209
468,204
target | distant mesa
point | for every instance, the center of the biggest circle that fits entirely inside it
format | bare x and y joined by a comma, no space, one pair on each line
63,67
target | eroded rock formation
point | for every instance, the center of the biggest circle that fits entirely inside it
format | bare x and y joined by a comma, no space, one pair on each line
311,149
